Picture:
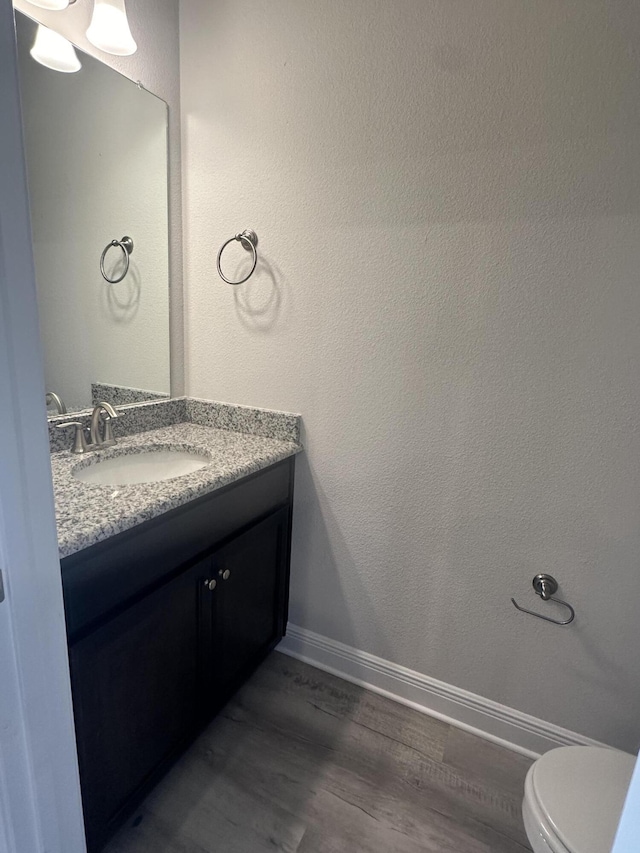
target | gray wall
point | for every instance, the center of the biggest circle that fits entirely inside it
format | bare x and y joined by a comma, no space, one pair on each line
156,64
447,198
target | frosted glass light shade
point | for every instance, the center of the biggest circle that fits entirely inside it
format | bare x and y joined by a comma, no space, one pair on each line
109,28
54,51
55,5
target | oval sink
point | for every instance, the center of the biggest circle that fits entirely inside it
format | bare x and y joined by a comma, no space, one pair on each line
145,466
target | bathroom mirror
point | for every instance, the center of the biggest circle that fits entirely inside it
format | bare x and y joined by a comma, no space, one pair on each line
96,150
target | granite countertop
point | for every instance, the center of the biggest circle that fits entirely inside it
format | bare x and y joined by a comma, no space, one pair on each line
88,513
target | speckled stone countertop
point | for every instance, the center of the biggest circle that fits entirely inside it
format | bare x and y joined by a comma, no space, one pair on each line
88,513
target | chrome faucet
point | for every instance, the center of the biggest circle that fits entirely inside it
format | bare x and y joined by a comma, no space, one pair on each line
98,438
103,414
52,397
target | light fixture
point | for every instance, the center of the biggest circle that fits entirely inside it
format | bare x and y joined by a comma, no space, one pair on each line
54,5
54,51
109,28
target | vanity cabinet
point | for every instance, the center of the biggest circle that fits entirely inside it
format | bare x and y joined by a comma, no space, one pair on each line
136,692
165,622
247,605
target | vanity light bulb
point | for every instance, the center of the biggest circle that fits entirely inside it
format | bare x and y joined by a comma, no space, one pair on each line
55,5
54,51
109,28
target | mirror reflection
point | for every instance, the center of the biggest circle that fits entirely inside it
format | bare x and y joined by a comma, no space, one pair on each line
96,147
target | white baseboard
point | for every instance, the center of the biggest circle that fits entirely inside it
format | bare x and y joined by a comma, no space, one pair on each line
498,723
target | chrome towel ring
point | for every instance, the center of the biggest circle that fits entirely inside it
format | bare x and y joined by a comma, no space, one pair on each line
248,239
126,244
546,586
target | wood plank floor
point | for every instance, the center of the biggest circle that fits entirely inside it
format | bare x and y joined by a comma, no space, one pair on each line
303,762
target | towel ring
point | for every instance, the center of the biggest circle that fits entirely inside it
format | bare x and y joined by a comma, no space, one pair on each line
248,239
126,244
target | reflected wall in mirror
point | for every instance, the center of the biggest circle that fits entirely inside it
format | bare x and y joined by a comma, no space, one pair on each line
96,150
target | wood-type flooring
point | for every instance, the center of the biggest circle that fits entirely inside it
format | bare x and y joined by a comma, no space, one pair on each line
303,762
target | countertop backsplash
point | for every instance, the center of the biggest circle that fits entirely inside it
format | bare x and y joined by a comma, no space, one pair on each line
141,417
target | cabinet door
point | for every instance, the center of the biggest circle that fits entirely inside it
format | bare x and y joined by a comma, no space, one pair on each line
136,690
250,600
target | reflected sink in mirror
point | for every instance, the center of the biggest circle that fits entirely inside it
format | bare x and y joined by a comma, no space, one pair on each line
151,465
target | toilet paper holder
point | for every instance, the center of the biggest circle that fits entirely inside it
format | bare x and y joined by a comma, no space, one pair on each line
546,587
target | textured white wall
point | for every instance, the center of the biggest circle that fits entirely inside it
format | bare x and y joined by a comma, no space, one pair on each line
447,197
154,24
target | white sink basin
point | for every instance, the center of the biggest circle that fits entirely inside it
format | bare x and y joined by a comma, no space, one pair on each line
146,466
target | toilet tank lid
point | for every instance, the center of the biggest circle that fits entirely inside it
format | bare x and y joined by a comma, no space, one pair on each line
582,789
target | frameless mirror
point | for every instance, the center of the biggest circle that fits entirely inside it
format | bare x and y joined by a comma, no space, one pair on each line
96,150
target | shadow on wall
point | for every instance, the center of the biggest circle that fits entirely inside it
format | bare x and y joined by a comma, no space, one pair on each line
318,539
259,300
121,301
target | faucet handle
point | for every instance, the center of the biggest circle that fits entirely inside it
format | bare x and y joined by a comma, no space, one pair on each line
79,439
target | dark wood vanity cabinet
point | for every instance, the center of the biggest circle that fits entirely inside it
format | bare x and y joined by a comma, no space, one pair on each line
248,604
136,690
152,663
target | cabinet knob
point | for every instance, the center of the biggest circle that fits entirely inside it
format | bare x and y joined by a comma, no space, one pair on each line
211,584
225,575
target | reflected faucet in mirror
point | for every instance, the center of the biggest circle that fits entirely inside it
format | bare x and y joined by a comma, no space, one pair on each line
53,399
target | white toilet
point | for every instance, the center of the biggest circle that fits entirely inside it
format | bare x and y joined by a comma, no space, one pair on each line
573,797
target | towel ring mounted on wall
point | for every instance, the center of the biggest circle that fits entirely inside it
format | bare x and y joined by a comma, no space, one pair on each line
546,587
126,244
249,240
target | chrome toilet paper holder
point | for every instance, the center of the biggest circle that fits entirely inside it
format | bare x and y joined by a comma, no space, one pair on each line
546,587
